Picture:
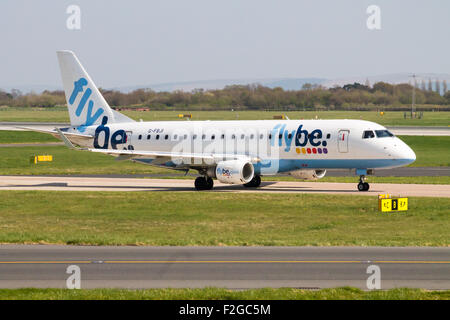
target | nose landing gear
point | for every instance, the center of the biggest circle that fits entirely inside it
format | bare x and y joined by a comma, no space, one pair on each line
363,186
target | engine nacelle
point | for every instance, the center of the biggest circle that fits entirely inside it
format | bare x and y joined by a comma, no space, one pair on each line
235,171
308,174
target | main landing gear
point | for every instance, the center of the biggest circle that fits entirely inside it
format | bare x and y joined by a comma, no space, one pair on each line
204,183
363,186
254,183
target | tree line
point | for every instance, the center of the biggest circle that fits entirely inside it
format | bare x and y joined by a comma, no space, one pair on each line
254,97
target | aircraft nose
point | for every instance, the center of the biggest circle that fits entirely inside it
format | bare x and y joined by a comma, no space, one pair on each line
404,152
409,154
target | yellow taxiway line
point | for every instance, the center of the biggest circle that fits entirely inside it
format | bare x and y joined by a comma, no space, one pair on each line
223,261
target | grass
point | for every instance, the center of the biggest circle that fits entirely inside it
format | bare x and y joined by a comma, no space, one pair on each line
16,161
345,293
393,118
430,151
25,137
192,218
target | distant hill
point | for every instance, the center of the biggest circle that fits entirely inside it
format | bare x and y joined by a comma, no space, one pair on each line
394,78
285,83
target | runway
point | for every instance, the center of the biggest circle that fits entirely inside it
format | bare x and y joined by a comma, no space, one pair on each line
180,185
230,267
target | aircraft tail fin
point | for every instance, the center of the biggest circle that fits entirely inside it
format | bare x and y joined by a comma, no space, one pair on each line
85,103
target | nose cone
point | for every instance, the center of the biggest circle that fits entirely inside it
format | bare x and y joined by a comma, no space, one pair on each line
404,153
409,154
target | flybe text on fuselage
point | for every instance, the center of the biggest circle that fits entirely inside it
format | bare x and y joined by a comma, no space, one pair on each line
301,137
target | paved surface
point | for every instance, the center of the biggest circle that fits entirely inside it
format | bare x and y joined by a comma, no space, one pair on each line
13,126
419,131
231,267
396,172
397,130
130,184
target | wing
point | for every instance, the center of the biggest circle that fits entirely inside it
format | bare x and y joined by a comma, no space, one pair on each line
178,158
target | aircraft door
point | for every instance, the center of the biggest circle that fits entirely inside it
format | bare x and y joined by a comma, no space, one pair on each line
343,140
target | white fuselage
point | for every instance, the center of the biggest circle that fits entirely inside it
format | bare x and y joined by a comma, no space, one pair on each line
279,145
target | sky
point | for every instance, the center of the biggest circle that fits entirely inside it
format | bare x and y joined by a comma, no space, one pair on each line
134,42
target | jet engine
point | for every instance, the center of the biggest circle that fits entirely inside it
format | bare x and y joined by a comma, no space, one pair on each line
234,171
308,174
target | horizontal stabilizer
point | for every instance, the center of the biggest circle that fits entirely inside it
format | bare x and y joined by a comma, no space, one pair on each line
76,138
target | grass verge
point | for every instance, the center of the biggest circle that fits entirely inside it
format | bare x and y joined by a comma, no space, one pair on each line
7,136
192,218
393,118
430,151
345,293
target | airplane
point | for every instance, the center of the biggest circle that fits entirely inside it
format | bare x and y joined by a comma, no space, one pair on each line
233,152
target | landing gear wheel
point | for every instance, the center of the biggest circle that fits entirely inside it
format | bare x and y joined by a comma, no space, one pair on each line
202,183
254,183
209,183
363,186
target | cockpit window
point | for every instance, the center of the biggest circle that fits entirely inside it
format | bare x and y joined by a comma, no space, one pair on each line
383,133
368,134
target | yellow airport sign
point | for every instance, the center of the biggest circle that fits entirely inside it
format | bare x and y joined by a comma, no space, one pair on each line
44,158
387,204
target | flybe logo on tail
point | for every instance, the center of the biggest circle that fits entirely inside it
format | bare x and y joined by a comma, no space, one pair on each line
79,88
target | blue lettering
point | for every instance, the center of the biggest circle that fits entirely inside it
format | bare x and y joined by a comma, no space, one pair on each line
273,134
83,102
77,88
288,140
99,129
316,134
298,137
89,119
118,137
280,135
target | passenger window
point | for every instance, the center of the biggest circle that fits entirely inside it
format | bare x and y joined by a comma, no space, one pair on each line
140,137
213,137
148,137
175,137
368,134
166,137
157,137
222,136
